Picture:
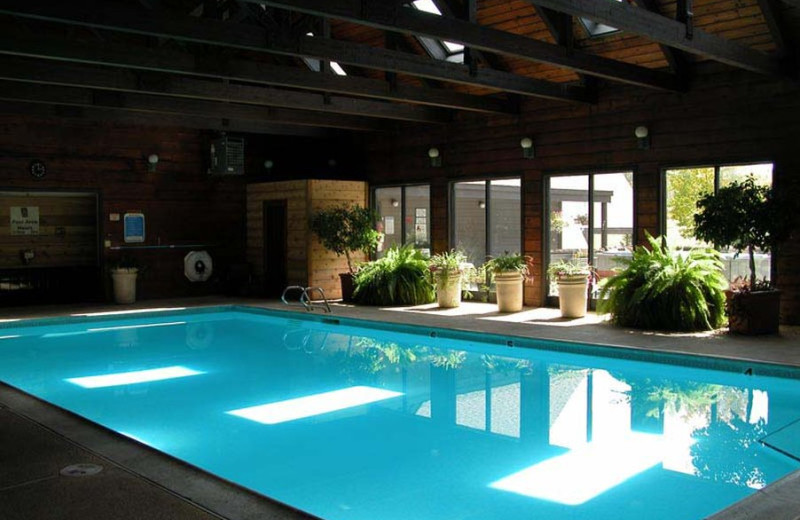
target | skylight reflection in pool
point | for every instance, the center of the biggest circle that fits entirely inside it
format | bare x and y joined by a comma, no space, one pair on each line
316,404
130,378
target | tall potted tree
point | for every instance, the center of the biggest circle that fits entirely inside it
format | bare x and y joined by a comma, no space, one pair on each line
746,216
344,230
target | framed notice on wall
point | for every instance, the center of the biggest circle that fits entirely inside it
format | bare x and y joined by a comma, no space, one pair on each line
24,220
134,227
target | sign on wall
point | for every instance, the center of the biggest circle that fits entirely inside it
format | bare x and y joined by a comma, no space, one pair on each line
133,224
24,220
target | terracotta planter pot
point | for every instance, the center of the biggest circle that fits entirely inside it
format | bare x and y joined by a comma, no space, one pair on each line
754,312
509,291
572,296
448,289
348,286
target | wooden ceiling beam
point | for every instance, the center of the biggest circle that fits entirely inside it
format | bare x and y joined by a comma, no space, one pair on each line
15,43
412,21
82,97
119,17
73,75
676,58
634,20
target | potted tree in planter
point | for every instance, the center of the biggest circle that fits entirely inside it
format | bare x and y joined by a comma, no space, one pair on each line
746,216
123,276
344,230
448,269
509,272
573,281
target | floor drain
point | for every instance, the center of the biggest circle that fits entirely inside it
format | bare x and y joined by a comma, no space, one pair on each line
81,470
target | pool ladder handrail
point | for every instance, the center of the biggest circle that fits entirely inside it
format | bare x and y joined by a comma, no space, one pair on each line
305,298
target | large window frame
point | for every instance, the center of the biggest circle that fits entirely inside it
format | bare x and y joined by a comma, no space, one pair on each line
717,166
451,210
402,203
590,173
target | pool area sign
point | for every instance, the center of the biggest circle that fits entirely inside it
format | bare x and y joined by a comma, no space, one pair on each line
134,227
24,220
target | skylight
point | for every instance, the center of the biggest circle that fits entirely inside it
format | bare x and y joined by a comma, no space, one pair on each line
316,65
439,49
597,28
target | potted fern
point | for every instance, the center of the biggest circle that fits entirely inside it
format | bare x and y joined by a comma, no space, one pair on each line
660,290
509,271
399,278
746,216
345,230
572,278
448,269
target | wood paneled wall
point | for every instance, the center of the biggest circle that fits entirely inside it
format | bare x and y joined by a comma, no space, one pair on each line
728,116
182,204
309,263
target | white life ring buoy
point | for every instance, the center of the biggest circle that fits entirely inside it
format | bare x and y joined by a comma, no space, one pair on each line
197,266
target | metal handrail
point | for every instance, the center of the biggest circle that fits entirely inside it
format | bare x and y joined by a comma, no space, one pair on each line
302,293
308,303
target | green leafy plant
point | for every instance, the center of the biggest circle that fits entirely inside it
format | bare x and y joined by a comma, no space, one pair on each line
399,278
664,291
448,262
568,269
745,216
508,262
346,229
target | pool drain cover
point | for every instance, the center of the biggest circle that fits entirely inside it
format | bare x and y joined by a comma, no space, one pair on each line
81,470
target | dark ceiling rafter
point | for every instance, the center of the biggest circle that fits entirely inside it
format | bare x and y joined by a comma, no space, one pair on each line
411,21
784,42
675,57
82,97
635,20
118,17
117,116
180,62
74,75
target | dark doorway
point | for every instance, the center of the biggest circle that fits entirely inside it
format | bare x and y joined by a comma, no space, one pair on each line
275,261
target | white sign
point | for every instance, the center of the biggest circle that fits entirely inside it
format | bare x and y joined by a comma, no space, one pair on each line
24,220
388,225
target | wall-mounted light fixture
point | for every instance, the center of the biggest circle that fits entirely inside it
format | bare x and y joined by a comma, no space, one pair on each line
481,204
527,147
268,164
152,162
436,159
642,137
395,203
332,163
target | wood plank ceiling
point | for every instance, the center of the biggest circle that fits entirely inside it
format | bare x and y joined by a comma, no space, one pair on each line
367,65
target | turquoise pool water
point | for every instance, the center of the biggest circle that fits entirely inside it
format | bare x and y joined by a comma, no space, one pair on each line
353,422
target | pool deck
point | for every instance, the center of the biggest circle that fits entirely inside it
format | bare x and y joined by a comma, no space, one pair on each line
38,440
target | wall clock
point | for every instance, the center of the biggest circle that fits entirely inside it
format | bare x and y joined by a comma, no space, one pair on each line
38,169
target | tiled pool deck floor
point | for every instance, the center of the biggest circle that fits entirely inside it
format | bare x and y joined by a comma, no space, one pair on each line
38,440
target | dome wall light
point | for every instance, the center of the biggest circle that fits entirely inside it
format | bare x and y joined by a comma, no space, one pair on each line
527,147
152,162
395,203
435,157
642,134
268,165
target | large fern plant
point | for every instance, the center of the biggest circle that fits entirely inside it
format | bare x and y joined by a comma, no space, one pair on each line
401,277
661,290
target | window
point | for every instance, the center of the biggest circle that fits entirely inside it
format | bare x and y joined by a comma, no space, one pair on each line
684,186
439,49
486,218
316,65
596,29
591,220
405,216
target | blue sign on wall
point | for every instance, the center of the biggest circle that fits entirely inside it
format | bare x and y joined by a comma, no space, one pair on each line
134,227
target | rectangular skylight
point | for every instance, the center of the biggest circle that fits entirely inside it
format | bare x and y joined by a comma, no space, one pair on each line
586,472
311,405
131,378
427,5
